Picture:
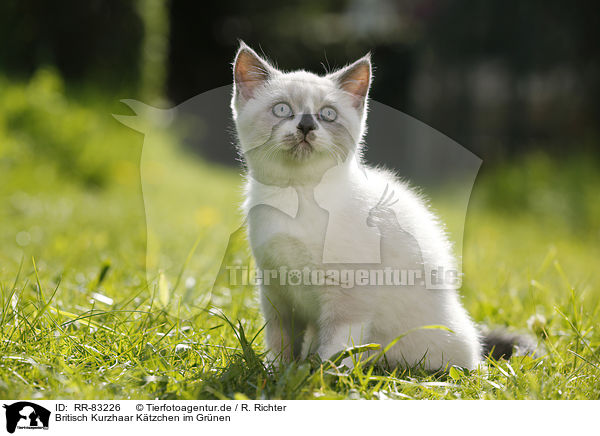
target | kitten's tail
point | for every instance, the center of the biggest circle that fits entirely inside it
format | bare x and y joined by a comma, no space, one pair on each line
502,344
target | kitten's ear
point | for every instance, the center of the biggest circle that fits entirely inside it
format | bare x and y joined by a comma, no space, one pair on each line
250,71
355,79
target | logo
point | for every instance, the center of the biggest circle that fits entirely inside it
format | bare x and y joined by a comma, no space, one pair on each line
26,415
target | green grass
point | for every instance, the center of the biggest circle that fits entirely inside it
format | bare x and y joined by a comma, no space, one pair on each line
79,319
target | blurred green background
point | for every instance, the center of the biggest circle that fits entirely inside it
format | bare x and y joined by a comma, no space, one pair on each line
515,82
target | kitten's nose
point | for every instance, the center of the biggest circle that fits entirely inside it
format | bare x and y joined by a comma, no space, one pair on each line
306,124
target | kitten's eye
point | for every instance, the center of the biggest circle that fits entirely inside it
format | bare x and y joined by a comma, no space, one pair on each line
328,114
282,110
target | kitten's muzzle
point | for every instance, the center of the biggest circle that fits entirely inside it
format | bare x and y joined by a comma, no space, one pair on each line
303,146
302,149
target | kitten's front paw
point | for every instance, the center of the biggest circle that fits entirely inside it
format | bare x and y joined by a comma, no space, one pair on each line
336,355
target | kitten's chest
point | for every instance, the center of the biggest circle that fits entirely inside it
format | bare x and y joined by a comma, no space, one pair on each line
328,226
280,240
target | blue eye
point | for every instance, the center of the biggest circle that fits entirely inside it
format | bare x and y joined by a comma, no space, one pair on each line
328,114
282,110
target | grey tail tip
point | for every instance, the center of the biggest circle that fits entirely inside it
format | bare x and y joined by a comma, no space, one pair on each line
502,344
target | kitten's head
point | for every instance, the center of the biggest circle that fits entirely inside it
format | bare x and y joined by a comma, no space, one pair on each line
293,127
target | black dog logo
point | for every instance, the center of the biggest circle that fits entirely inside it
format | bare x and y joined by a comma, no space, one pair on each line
33,416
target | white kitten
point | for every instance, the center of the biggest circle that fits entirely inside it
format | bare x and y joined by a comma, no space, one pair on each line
314,208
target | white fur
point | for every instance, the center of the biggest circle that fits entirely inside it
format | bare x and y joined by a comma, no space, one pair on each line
289,230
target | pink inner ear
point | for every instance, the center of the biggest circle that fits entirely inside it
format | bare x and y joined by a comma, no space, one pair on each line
250,72
356,81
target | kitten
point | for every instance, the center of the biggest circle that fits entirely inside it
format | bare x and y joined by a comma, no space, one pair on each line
315,210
